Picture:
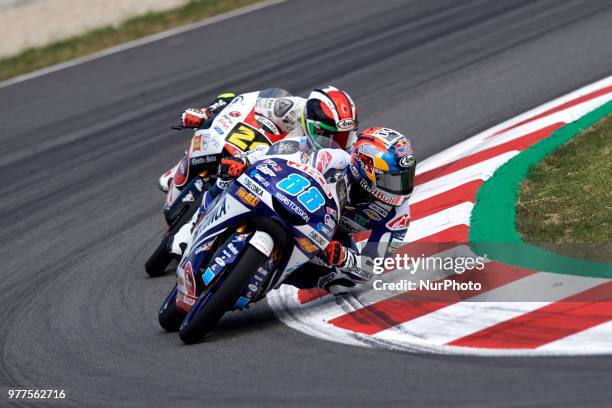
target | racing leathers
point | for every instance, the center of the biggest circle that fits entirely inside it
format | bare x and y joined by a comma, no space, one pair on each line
380,228
280,115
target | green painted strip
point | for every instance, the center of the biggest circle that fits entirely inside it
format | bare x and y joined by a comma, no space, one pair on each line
492,223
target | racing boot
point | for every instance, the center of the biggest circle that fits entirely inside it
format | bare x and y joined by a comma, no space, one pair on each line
166,178
338,283
183,237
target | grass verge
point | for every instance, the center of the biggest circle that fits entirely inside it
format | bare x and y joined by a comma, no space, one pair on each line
565,204
96,40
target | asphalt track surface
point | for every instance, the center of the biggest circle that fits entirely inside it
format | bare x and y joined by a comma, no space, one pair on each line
80,210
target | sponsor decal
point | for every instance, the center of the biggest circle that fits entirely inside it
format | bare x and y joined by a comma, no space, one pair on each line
267,124
386,133
284,147
203,159
282,106
242,237
260,178
253,287
205,247
381,211
329,221
247,197
189,280
224,184
306,245
304,158
272,164
197,143
234,114
394,245
218,130
252,185
233,249
372,214
293,206
367,163
266,170
376,193
346,124
224,121
199,184
219,261
219,212
321,227
310,171
323,161
399,223
316,237
263,242
407,161
331,212
236,100
185,299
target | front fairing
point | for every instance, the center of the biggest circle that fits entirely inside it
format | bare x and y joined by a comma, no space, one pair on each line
307,212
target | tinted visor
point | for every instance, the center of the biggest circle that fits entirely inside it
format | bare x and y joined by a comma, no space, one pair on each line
401,182
315,112
339,138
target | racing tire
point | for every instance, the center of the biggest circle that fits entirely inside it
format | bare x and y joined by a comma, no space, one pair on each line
226,291
170,318
160,259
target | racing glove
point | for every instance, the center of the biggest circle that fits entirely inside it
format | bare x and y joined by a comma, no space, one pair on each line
193,117
233,166
335,254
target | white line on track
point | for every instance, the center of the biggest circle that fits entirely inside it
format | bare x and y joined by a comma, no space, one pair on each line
141,41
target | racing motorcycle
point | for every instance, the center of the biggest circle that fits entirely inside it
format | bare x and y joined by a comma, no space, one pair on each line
234,129
279,214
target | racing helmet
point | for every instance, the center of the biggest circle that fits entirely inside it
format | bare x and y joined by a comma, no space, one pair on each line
330,112
383,165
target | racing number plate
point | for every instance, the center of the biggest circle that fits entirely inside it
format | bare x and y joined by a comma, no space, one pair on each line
245,137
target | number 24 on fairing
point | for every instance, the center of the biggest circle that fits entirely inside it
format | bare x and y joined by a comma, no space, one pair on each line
295,185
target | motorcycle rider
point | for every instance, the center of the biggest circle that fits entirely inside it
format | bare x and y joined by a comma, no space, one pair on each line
380,176
380,172
327,111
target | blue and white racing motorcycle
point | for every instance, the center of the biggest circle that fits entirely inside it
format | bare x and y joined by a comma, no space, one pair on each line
277,216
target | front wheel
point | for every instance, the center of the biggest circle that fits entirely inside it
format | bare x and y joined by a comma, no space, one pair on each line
220,297
170,318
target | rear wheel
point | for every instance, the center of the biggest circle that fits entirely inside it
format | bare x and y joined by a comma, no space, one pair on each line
220,297
161,257
170,318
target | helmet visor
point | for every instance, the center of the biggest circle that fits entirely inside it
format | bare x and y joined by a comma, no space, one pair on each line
401,183
320,129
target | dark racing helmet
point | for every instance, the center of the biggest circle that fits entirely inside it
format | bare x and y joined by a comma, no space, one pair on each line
383,165
332,113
